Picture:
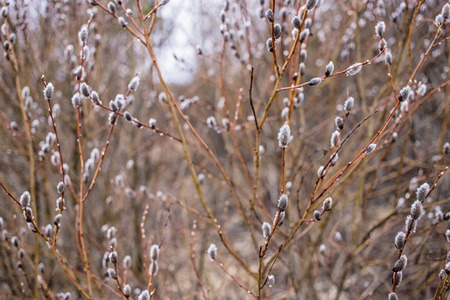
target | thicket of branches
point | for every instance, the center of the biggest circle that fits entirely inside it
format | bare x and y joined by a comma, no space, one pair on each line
288,150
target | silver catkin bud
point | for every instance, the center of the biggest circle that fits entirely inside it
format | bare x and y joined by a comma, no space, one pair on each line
354,69
154,268
112,273
112,8
283,202
370,148
303,35
15,241
31,227
310,4
127,116
113,257
329,69
446,11
267,229
280,218
269,45
134,83
404,93
95,98
296,22
320,172
4,12
76,100
154,252
127,290
327,204
84,88
25,199
122,22
60,187
57,219
276,31
348,105
400,264
303,55
212,252
388,57
317,215
83,34
334,140
416,210
439,20
392,296
410,223
269,15
380,28
308,23
48,91
271,280
398,278
127,262
28,214
400,240
339,123
145,295
446,148
315,81
422,191
284,136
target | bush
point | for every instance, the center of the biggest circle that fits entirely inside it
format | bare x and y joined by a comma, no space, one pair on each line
224,149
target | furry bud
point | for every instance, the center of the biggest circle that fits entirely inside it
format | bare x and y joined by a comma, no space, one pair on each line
212,252
400,240
329,69
269,15
284,136
154,252
400,264
315,81
317,215
283,202
48,91
416,210
380,28
267,229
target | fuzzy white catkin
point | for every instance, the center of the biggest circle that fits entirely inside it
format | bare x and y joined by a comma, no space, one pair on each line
284,136
348,105
329,69
283,202
266,228
310,4
271,280
122,22
380,28
370,148
48,91
83,34
134,83
315,81
212,252
154,252
145,295
354,69
112,7
296,22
